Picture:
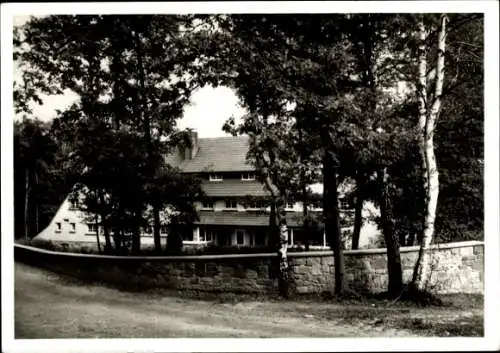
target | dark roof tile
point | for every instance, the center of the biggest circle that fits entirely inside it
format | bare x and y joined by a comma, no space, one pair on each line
219,154
246,218
234,187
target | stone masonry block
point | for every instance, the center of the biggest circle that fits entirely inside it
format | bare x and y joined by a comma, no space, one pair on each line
302,289
327,260
379,262
467,251
313,260
316,269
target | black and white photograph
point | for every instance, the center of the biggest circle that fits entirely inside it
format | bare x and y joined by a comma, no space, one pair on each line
248,172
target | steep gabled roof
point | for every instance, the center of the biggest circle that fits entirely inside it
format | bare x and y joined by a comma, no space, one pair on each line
219,154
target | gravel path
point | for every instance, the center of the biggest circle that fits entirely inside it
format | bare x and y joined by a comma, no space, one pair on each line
47,306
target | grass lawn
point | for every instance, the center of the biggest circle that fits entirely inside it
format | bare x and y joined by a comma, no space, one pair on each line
48,305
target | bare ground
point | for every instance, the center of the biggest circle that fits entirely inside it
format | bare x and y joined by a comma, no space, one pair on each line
50,306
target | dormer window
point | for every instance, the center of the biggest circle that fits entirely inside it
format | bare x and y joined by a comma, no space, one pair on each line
247,176
215,177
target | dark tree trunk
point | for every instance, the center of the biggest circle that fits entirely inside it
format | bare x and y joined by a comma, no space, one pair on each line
411,238
305,213
118,241
97,233
273,228
393,256
36,206
358,212
156,228
136,237
332,221
26,204
105,228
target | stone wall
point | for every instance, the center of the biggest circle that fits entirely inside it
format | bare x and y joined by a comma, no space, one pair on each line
457,267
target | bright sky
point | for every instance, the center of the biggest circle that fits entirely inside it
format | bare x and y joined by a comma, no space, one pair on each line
209,108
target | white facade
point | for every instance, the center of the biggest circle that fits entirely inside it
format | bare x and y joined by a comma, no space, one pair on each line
71,225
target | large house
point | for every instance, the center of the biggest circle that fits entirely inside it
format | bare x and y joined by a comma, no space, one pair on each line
233,212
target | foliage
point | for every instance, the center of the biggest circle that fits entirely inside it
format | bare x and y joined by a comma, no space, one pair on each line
124,122
39,181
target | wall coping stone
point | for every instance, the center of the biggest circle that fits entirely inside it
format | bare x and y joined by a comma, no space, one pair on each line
461,244
144,258
240,256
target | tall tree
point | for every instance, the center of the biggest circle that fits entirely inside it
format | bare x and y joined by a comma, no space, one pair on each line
429,109
34,161
112,63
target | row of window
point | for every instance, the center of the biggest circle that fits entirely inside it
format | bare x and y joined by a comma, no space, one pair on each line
72,228
219,177
233,204
211,235
92,228
259,204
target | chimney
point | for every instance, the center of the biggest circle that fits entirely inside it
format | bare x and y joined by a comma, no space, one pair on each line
190,152
186,152
194,147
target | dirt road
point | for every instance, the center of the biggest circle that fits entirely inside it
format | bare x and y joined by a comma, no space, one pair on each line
48,306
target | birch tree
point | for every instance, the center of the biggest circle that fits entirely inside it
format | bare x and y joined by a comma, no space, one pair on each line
429,105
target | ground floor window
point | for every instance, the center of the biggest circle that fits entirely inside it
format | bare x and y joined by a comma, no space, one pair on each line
208,235
314,236
92,228
240,237
187,234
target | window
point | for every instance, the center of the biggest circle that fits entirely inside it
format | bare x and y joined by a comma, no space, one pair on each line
232,204
92,228
240,237
73,227
259,239
318,204
208,204
163,229
148,230
208,236
289,205
215,177
73,205
187,235
58,227
258,204
344,204
247,176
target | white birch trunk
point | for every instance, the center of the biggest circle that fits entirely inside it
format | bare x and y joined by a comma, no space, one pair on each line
422,99
422,268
